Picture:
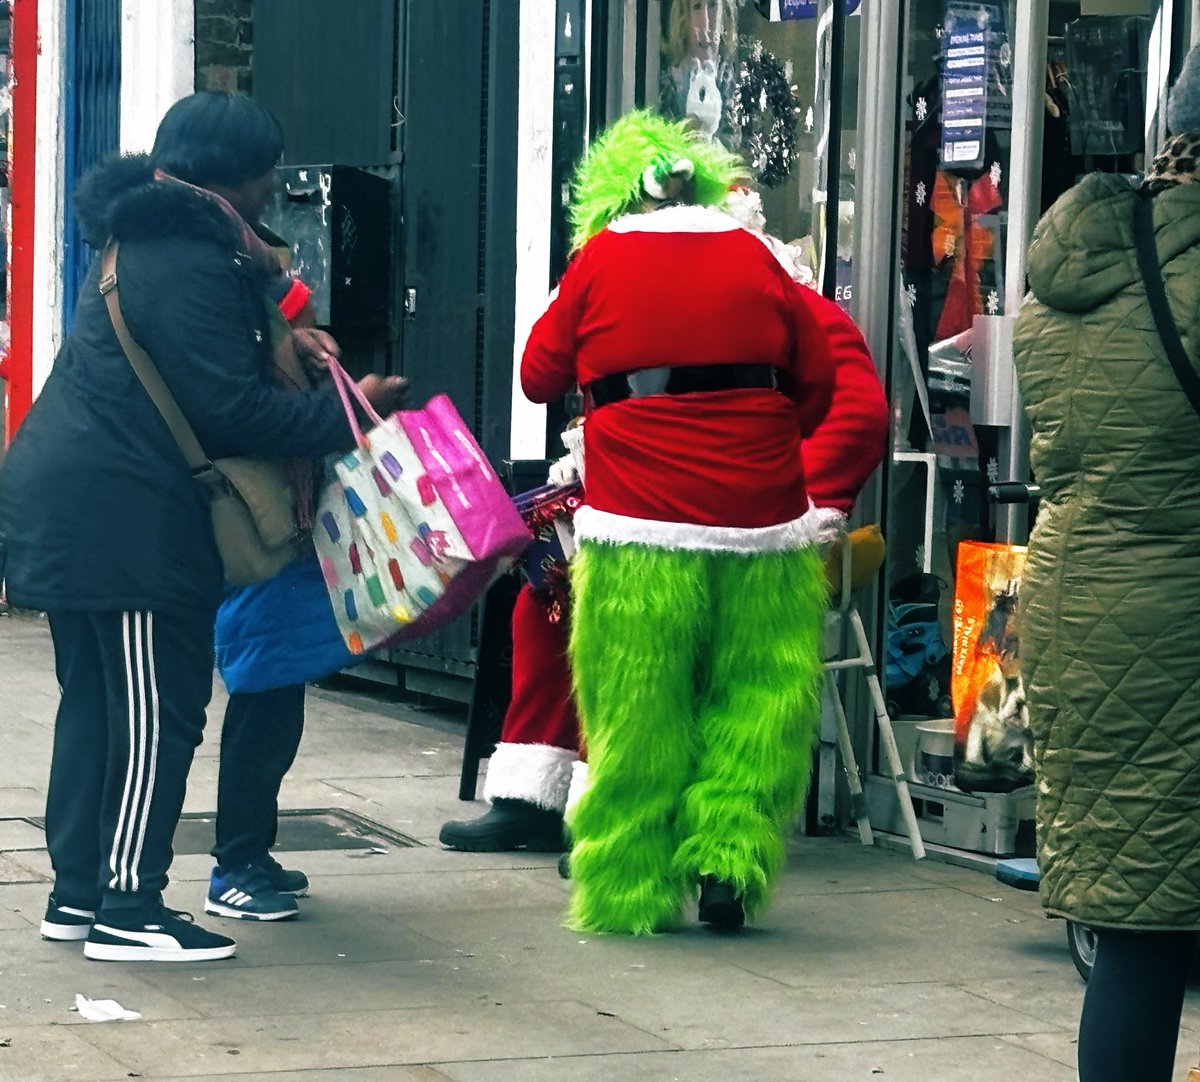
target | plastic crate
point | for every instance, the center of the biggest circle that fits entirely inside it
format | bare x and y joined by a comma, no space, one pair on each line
998,824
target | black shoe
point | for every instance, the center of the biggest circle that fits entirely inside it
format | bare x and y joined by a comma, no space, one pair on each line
564,865
720,905
508,825
66,923
165,936
283,880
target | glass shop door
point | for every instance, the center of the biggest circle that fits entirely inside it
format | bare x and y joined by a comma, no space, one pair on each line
1004,106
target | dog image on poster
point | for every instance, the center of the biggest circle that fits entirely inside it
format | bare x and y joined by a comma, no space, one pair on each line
993,745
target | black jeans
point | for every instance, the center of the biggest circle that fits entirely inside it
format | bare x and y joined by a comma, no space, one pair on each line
134,688
259,741
1130,1023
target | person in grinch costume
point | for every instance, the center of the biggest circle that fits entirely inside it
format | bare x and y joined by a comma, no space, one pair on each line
536,770
698,586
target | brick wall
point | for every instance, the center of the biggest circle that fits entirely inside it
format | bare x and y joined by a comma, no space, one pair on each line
224,43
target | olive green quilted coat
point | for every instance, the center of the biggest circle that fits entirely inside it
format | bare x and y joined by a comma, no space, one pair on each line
1110,632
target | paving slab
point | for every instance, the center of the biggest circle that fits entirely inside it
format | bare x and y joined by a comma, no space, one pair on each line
39,982
401,895
32,863
12,872
1061,1048
56,1054
17,835
414,805
957,937
206,1048
976,1059
341,1074
23,800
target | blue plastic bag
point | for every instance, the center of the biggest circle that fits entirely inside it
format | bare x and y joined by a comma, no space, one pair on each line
280,632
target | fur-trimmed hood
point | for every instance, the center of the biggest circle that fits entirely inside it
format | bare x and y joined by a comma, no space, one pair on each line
120,198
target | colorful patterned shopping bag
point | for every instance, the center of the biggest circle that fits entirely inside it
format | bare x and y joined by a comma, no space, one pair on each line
416,525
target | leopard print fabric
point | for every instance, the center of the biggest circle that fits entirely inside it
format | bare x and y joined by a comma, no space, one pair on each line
1177,163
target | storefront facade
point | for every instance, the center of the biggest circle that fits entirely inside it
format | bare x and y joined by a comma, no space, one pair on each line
940,130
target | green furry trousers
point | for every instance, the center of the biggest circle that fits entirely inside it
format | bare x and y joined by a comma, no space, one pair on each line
697,677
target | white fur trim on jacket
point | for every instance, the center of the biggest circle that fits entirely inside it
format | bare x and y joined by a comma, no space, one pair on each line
678,218
579,784
535,773
817,526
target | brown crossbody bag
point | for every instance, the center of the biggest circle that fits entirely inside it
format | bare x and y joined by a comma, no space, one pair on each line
250,500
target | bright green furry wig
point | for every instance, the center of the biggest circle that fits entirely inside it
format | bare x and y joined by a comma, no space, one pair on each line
608,182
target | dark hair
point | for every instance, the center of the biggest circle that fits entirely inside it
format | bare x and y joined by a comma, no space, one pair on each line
217,138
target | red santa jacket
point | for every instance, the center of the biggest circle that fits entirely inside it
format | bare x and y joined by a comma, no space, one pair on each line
850,441
719,470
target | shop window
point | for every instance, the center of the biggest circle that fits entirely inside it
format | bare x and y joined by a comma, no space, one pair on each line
753,74
951,390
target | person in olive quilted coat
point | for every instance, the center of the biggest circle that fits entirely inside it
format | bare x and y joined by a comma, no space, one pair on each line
1111,595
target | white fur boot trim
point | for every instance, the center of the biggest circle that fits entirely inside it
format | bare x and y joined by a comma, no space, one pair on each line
579,784
536,773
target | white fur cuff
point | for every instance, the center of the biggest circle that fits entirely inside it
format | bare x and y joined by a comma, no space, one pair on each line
538,774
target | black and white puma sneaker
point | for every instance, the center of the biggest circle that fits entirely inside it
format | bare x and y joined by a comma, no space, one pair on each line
66,923
165,936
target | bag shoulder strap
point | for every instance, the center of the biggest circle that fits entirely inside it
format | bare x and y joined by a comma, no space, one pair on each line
1160,306
144,368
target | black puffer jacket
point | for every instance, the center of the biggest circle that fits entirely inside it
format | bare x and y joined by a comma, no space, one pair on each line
97,507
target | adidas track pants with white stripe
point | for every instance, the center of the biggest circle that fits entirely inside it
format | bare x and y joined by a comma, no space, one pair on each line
134,689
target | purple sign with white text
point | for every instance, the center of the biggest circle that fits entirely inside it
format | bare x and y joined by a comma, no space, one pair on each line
784,10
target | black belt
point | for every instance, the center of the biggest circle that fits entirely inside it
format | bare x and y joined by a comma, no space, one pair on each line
693,379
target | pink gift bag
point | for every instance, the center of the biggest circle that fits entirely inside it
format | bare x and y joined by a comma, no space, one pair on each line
416,525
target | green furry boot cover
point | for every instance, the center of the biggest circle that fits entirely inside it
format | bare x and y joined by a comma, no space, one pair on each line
758,719
638,616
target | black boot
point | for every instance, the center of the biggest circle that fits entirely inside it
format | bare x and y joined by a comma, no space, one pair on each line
720,904
508,825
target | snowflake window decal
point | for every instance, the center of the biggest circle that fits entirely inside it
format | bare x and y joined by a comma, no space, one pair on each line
911,294
993,303
922,109
996,174
922,193
960,491
993,470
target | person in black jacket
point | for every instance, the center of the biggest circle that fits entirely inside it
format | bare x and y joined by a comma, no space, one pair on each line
104,529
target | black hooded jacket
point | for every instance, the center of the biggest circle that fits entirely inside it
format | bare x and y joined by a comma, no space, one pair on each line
97,506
